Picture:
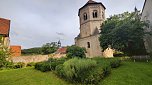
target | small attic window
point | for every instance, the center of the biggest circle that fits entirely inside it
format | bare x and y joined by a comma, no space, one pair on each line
95,14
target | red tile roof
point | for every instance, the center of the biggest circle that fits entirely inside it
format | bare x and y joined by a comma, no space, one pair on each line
61,50
4,27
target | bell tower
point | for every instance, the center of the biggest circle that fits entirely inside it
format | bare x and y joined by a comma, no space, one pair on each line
91,17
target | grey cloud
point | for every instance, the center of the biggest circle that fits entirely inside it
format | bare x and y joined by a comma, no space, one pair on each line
36,22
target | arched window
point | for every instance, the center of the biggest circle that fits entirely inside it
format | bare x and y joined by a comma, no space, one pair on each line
88,43
95,14
85,16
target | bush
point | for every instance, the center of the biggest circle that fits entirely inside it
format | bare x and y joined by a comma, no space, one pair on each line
59,70
55,62
30,64
4,54
86,71
19,65
106,70
75,51
75,69
9,65
114,63
94,76
38,65
49,65
43,66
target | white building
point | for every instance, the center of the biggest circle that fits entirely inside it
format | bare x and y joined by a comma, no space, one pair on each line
147,16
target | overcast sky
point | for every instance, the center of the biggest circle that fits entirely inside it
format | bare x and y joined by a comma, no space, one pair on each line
36,22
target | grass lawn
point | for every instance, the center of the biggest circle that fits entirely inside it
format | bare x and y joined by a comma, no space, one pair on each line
29,76
130,73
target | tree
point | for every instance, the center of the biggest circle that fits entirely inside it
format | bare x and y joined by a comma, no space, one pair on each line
124,32
36,50
4,54
49,48
75,51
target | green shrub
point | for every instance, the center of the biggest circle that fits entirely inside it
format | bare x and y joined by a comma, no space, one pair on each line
4,54
94,76
115,63
43,66
75,69
55,62
9,65
38,65
49,65
75,51
86,71
30,64
106,70
59,70
49,48
19,65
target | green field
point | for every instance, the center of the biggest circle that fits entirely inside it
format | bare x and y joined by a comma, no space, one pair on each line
129,73
29,76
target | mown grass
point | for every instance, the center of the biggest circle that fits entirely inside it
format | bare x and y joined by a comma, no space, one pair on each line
29,76
130,73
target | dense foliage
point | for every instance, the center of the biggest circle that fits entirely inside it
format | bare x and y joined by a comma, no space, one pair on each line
4,55
30,64
49,48
19,65
124,32
75,69
32,51
48,65
75,51
43,66
86,71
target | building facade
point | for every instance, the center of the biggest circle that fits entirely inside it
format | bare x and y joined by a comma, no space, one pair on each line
91,17
4,32
147,16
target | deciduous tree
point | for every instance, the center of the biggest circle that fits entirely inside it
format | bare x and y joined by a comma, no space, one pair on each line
124,32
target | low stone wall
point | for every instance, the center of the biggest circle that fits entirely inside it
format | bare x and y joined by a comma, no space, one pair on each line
28,59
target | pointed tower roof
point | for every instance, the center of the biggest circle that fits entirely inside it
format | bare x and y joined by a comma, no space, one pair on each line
91,2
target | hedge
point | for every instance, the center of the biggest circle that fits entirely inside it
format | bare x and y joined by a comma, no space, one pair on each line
49,65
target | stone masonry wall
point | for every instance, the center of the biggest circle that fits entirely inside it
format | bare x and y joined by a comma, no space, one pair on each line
28,59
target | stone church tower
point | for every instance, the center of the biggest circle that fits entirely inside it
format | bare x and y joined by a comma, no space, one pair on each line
91,17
